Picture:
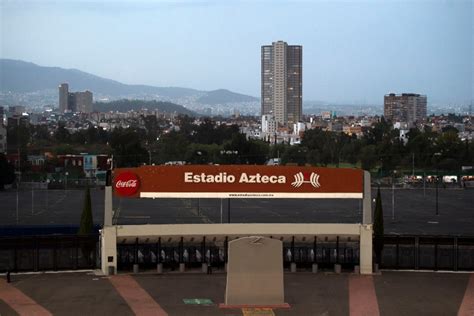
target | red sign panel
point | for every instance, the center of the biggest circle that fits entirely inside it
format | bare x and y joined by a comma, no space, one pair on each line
238,181
126,184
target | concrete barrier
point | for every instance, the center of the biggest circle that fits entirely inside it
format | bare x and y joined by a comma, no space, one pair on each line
357,269
293,267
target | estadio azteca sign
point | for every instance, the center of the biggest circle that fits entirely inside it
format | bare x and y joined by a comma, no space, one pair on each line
238,181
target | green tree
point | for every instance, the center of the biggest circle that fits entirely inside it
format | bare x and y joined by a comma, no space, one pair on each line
296,154
171,147
62,135
87,224
127,147
202,154
466,155
7,172
368,157
378,228
152,128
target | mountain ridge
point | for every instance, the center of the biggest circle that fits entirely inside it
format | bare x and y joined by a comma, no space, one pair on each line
23,77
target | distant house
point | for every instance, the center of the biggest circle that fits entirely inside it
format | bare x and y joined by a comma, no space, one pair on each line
14,159
70,161
94,164
36,162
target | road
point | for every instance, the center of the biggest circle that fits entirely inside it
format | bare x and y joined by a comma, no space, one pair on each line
414,210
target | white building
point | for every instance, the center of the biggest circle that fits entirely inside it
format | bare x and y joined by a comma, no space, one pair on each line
268,124
298,128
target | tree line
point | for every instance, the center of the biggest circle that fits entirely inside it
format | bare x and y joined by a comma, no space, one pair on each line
153,141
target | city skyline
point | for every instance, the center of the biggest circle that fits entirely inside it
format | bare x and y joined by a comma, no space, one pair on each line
426,49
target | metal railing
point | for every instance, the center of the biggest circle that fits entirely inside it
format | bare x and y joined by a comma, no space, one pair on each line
451,253
42,253
72,252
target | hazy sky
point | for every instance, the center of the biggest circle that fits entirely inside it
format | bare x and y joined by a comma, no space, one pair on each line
353,51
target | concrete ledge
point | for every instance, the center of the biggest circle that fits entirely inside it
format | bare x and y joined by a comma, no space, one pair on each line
234,230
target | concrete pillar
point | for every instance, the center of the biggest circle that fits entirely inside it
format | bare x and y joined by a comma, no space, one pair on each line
204,267
108,213
366,232
181,267
337,268
293,267
135,268
108,242
159,268
367,200
314,268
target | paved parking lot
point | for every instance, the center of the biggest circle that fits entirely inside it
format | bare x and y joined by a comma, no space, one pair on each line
391,293
413,210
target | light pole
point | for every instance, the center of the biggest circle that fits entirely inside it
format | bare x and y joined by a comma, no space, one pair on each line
32,199
47,192
221,211
393,196
18,184
65,182
437,180
17,199
424,184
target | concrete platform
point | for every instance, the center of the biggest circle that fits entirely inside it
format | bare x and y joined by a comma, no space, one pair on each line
391,293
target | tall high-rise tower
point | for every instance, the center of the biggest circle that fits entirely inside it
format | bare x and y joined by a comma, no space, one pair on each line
282,84
74,101
405,107
63,97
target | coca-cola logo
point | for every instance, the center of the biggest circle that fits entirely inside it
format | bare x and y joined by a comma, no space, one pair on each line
126,184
